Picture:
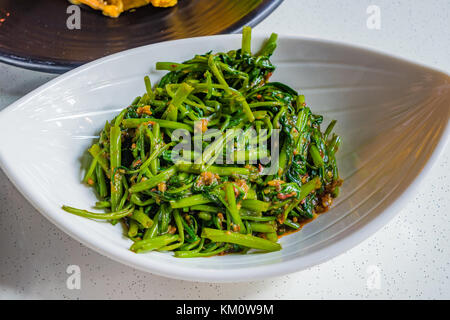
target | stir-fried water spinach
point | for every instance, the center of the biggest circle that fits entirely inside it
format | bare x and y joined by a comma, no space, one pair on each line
199,206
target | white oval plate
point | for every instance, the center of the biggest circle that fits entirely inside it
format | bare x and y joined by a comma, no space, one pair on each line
392,116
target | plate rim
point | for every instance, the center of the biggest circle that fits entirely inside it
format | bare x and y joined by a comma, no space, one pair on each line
56,66
249,273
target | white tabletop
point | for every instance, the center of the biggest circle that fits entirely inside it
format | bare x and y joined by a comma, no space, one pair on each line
408,258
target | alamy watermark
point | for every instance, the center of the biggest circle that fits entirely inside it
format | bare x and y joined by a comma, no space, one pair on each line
373,281
73,282
373,21
73,21
233,146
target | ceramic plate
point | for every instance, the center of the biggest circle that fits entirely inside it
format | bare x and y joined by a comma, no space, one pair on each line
392,116
34,34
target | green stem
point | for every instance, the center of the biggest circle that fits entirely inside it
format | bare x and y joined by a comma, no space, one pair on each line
153,243
115,162
240,239
262,227
154,181
190,201
255,205
232,208
246,40
105,216
135,122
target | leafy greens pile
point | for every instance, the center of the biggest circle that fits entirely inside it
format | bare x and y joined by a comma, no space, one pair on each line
199,207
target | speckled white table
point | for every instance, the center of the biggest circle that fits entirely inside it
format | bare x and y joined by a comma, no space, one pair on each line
408,258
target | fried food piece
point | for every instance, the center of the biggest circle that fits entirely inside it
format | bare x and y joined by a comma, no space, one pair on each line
113,8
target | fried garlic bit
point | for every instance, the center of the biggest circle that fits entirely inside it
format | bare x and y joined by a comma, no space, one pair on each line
275,183
144,110
202,125
241,183
162,187
207,178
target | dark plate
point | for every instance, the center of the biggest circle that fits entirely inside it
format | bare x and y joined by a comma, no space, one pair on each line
34,34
